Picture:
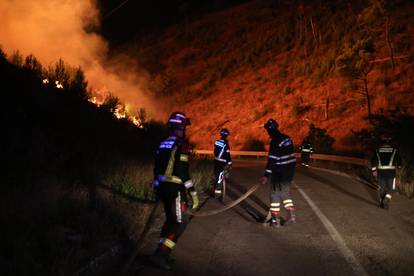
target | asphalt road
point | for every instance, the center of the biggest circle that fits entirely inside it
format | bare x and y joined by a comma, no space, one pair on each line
339,231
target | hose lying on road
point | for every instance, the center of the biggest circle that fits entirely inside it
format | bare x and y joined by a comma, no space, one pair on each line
205,214
229,206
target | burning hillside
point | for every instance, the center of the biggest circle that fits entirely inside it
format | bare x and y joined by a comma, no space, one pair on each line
316,62
53,30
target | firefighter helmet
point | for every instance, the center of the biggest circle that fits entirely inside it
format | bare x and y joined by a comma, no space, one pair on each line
386,138
224,132
178,120
271,124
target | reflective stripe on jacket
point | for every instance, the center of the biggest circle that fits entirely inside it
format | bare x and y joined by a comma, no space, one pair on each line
222,151
386,158
281,155
171,162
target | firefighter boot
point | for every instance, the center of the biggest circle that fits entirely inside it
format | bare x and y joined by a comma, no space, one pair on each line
292,217
386,201
381,204
218,191
161,260
275,221
382,195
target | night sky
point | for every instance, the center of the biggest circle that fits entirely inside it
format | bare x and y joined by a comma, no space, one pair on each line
135,18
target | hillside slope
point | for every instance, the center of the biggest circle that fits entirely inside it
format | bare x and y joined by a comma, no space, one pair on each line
238,67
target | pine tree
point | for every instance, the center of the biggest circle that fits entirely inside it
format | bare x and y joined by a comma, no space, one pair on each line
355,63
61,73
111,103
79,85
31,63
17,58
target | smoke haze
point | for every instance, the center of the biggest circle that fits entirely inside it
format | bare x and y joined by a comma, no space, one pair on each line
56,29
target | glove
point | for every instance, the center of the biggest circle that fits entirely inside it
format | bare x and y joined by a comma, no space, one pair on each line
264,180
194,197
375,174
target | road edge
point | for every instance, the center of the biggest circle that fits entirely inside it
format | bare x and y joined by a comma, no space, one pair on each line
335,235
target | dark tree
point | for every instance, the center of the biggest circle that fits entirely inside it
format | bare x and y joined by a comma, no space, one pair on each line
319,139
16,58
61,73
142,116
355,63
111,103
79,84
31,63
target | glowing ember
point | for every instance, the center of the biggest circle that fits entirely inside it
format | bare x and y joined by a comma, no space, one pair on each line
45,81
58,84
120,113
95,101
136,122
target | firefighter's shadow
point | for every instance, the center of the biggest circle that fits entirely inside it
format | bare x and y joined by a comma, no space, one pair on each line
335,186
235,190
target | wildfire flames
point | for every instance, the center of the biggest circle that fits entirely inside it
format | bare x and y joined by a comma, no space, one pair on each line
53,30
58,84
120,112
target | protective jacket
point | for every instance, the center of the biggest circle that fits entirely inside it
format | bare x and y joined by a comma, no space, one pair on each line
385,160
222,152
306,148
281,158
171,163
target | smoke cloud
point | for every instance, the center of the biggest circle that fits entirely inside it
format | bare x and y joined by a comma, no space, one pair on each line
56,29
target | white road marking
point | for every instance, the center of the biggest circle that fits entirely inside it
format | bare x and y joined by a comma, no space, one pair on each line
340,242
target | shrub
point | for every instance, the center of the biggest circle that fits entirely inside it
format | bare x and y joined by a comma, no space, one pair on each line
289,90
237,90
283,72
253,144
188,58
320,141
298,108
338,110
111,103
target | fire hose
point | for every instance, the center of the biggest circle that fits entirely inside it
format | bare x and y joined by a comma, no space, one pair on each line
196,214
228,206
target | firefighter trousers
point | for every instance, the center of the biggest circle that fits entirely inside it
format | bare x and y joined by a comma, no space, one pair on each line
175,202
305,158
281,182
218,168
386,184
280,194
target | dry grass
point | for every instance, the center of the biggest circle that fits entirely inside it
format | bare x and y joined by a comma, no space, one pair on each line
132,179
404,185
55,232
202,173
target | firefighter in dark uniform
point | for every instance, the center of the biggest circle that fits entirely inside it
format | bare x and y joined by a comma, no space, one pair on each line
222,160
305,150
173,183
384,163
280,169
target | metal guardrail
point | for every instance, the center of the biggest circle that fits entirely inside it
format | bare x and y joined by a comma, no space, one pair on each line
327,157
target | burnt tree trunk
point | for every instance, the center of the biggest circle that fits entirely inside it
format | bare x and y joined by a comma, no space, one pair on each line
367,97
389,43
313,30
327,108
